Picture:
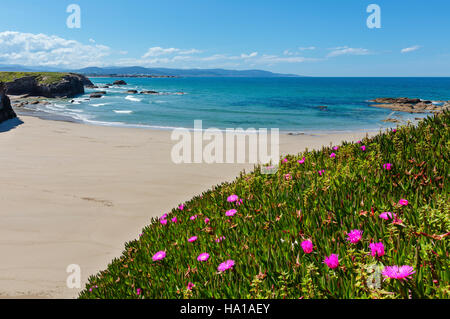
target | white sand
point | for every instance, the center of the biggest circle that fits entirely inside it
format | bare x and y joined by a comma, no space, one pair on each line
74,194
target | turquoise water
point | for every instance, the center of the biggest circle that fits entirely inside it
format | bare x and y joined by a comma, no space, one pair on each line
290,104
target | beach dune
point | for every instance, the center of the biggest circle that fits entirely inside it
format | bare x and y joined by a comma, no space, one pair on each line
74,194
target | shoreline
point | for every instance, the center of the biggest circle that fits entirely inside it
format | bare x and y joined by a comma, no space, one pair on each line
75,194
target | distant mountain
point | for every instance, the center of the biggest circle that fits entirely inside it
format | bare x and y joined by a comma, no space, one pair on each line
137,70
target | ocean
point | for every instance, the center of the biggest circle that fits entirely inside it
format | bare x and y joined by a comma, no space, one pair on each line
290,104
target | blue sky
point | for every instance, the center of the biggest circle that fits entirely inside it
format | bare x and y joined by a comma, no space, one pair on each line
315,38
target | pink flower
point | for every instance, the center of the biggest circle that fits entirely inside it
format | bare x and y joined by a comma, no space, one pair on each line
377,249
190,285
159,255
193,217
307,246
163,221
332,261
239,202
363,148
302,161
232,198
206,220
138,291
181,207
394,130
285,160
358,142
354,236
403,202
203,257
164,216
226,265
218,240
174,220
335,148
321,172
398,272
387,215
387,166
231,212
332,155
288,177
192,239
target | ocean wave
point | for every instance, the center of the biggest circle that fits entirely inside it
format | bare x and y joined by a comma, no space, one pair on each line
123,111
131,98
99,104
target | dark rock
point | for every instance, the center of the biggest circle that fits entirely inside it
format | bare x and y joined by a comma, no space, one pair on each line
120,82
6,110
149,92
69,86
132,91
95,96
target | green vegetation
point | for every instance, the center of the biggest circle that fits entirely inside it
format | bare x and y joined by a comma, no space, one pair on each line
42,77
280,211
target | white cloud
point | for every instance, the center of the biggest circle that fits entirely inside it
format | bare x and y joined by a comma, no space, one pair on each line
41,49
345,50
158,51
307,48
410,49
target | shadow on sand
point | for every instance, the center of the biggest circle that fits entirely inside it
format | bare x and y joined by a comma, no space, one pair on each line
10,124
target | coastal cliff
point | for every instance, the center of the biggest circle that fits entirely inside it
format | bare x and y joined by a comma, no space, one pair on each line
6,111
45,84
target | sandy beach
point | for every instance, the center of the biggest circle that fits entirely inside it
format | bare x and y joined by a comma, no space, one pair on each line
74,194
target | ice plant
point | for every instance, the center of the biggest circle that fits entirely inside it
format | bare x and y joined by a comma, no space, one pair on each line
231,212
332,155
218,240
335,148
174,220
307,246
163,221
387,166
403,202
354,236
193,217
232,198
181,207
288,177
387,215
159,255
377,249
203,257
363,148
302,161
192,239
332,261
207,220
138,291
285,160
398,272
321,172
226,265
190,285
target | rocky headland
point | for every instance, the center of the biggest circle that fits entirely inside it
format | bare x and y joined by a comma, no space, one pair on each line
6,111
44,84
404,104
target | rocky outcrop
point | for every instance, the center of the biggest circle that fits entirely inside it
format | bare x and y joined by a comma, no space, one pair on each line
149,92
6,111
405,104
68,85
119,82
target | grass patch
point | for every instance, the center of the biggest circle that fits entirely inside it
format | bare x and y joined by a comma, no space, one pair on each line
278,212
42,77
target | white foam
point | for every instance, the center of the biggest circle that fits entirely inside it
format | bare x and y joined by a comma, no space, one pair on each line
123,111
131,98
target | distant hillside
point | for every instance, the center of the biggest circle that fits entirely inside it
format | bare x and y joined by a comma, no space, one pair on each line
137,70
